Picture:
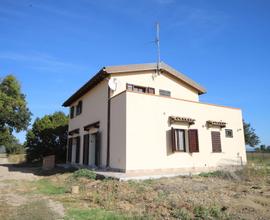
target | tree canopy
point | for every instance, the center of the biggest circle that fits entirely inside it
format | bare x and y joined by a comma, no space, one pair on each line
14,114
251,137
48,136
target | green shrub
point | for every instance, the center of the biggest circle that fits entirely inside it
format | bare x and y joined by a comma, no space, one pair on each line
89,174
230,175
182,214
201,212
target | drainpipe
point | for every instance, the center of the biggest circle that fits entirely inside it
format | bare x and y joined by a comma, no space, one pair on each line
108,126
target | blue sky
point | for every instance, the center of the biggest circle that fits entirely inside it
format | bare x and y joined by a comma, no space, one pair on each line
53,47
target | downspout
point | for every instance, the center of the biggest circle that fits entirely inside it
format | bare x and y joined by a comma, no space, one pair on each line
108,126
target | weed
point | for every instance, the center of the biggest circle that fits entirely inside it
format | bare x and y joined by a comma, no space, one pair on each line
96,214
89,174
46,187
182,214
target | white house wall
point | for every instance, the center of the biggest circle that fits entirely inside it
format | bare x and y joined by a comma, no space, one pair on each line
149,140
94,109
163,81
118,133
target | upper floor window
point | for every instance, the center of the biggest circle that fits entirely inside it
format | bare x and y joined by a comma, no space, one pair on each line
71,113
142,89
164,92
79,108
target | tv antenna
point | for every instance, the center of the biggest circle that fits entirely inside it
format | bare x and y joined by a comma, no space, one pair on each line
157,41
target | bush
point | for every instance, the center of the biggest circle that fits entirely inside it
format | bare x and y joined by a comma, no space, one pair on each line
182,213
230,175
89,174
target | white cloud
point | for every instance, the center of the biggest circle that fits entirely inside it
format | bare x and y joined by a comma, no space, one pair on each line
44,62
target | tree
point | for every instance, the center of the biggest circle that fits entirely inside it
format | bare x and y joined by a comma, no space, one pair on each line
262,147
48,136
14,114
251,137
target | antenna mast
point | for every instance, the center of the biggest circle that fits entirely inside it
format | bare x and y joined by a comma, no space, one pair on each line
158,47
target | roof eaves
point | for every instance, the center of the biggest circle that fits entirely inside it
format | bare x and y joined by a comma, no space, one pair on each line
86,87
183,77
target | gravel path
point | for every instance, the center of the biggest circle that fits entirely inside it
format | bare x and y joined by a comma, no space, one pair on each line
9,172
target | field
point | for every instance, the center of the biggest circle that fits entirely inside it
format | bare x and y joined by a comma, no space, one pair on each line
243,194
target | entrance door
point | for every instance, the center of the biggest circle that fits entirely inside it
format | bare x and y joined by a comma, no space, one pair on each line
94,149
86,149
97,149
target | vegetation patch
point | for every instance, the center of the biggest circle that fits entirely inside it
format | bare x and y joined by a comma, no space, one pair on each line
85,173
36,210
46,187
96,214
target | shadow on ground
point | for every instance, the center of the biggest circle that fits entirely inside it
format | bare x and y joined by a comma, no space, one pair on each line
36,169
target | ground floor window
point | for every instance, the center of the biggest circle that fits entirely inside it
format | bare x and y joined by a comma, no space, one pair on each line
216,141
179,140
184,140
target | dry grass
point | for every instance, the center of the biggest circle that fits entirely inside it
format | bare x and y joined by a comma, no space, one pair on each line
244,194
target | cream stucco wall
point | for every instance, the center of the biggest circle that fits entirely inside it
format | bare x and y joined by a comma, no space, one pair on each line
118,133
148,134
151,79
94,109
139,128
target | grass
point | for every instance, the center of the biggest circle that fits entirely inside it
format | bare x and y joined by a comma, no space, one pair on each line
37,210
85,173
213,195
16,158
96,214
46,187
259,158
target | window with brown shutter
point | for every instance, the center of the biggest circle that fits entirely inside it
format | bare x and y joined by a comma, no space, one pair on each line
193,140
151,90
71,114
173,140
178,140
216,141
79,108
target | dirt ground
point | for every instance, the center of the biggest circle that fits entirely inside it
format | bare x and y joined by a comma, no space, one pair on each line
28,194
12,196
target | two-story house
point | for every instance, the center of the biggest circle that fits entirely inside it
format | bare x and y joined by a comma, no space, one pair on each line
151,120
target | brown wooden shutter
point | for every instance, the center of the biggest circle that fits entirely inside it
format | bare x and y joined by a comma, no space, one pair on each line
216,141
69,150
193,140
173,139
86,149
78,149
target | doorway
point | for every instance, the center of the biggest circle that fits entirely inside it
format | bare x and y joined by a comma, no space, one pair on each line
92,150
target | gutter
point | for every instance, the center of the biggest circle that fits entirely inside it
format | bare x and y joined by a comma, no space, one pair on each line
108,126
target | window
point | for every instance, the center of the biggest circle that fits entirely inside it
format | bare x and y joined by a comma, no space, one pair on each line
179,140
164,92
193,140
79,108
142,89
216,141
139,89
229,133
71,112
129,87
151,90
